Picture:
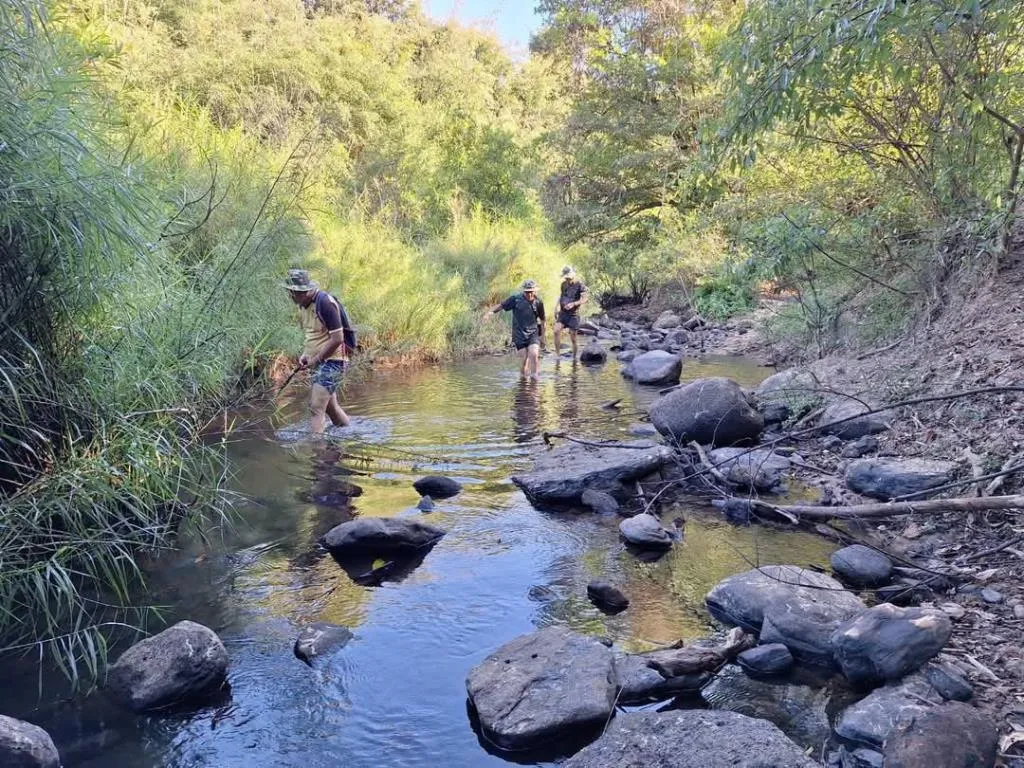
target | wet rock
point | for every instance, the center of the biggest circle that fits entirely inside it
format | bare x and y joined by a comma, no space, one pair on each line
745,599
643,430
183,663
667,319
798,710
639,683
850,428
655,367
860,447
872,719
711,411
437,486
861,566
318,639
645,531
562,475
886,642
775,413
950,736
600,502
23,745
766,660
607,597
543,687
381,535
759,469
794,388
888,478
628,355
426,504
855,758
593,354
806,630
949,684
690,739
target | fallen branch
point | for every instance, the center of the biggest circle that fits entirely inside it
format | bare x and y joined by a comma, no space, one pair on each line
694,659
886,509
715,471
995,550
958,483
593,443
1009,466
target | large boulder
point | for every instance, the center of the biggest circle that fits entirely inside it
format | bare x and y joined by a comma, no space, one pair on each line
437,486
851,424
758,469
870,721
23,745
690,739
541,687
861,566
711,411
667,319
950,736
183,663
798,710
886,479
381,535
320,638
655,367
593,354
562,475
887,642
795,388
645,531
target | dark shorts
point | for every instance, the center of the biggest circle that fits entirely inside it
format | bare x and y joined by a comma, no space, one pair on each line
329,374
522,342
569,320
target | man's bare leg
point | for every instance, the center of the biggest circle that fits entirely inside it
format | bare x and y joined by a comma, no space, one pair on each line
533,360
558,339
338,416
525,355
318,402
572,337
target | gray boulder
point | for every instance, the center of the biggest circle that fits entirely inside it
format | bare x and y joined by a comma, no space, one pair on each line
950,736
806,630
850,427
798,710
437,486
23,745
766,660
645,531
711,411
667,319
543,687
320,638
599,501
886,479
795,388
887,642
184,662
872,719
861,566
638,682
655,367
855,758
947,682
607,597
759,469
562,475
593,354
690,739
628,355
381,535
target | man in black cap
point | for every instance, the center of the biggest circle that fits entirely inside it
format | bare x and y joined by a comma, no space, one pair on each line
527,325
329,339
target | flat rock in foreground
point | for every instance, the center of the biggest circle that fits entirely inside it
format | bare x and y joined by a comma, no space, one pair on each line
690,739
184,662
562,475
383,535
23,745
542,687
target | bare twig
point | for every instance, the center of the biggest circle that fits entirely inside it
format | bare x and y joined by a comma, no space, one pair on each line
715,471
889,509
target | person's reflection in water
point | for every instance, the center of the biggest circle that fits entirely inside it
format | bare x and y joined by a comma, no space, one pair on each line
567,388
526,411
332,490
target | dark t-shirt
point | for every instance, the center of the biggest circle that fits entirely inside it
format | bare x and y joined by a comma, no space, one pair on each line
526,316
571,291
333,315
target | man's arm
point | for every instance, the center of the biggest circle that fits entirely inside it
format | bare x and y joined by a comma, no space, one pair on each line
505,306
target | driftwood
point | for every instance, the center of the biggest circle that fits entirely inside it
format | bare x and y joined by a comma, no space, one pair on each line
673,662
886,509
715,471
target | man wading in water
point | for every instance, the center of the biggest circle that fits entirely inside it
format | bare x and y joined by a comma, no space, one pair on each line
329,340
527,325
572,296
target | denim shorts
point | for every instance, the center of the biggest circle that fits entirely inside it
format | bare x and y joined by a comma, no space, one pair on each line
329,374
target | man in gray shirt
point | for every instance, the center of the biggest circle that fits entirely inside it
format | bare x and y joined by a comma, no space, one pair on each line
527,325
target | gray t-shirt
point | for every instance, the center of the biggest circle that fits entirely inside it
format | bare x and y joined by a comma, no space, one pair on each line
526,315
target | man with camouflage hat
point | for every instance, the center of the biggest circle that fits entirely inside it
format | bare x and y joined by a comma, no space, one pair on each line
527,325
329,340
572,296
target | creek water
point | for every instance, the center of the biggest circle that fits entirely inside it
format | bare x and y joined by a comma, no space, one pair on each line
395,695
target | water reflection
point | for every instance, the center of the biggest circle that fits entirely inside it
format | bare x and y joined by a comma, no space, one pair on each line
526,410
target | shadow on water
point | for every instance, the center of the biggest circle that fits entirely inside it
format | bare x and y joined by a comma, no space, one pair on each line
395,695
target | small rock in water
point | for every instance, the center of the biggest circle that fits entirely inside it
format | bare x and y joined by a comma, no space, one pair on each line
593,354
949,684
426,504
380,535
991,596
601,502
437,487
23,745
607,597
645,531
766,660
861,566
319,638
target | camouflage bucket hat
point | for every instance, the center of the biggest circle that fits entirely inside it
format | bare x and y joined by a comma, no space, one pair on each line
568,271
299,280
529,285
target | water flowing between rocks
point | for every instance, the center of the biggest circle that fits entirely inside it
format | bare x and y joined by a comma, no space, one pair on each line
395,695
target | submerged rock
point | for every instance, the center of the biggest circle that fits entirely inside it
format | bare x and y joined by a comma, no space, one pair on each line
320,638
949,736
886,479
690,739
645,531
601,502
886,642
381,535
861,566
426,504
542,687
562,475
607,597
711,411
655,367
183,663
23,745
437,486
